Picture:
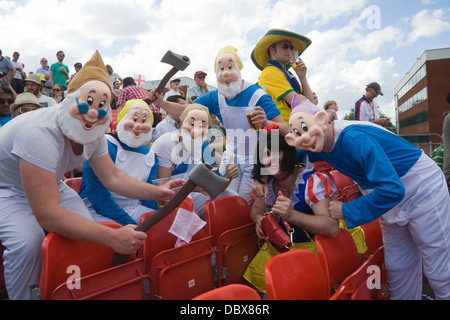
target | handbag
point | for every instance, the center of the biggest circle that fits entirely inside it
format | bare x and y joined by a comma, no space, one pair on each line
275,234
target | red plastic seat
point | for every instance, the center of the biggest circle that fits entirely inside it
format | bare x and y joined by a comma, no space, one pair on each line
236,249
184,272
58,253
124,282
373,235
74,183
322,166
295,275
338,257
224,214
230,292
359,285
347,188
159,238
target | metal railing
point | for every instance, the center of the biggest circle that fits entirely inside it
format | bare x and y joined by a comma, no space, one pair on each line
427,147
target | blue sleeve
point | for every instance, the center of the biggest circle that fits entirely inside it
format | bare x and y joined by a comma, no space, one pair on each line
210,100
388,190
269,107
100,197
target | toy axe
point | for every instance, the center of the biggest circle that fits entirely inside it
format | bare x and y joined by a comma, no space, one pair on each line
178,63
199,176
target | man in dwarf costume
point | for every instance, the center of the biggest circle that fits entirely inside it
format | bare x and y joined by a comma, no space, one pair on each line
274,55
405,189
179,151
229,104
127,149
35,152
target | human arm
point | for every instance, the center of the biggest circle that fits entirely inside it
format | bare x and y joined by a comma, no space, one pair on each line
256,214
116,181
319,223
45,205
101,199
301,73
172,108
51,78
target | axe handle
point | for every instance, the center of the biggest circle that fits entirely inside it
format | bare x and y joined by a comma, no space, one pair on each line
163,82
177,199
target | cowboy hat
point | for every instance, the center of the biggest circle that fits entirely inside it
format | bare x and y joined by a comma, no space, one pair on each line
260,55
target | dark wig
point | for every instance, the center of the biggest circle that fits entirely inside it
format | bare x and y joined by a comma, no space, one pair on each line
290,158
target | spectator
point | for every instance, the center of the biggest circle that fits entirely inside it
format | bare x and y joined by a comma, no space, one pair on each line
7,70
402,186
59,72
45,70
77,67
217,138
295,192
174,89
6,99
200,87
19,76
36,150
331,108
179,151
58,93
33,84
131,91
134,131
113,77
365,109
227,103
25,102
315,100
170,122
272,55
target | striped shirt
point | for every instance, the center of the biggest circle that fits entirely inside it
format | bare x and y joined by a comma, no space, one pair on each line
365,110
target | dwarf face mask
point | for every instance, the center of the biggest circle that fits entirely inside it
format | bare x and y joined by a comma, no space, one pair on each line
308,126
229,80
194,130
85,115
135,129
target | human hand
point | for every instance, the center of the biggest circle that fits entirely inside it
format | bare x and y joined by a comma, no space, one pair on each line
259,116
126,240
282,206
260,190
231,170
301,68
168,189
335,208
259,231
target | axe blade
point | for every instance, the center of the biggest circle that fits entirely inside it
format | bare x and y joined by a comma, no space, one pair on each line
177,61
208,180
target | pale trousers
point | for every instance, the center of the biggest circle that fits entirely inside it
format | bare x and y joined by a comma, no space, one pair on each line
244,183
416,237
22,236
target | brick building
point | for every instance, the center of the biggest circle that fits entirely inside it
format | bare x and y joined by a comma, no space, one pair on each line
420,99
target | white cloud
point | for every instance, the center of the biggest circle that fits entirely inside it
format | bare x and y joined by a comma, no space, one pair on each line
428,24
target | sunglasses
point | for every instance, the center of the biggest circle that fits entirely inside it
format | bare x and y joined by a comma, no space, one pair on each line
286,46
26,109
10,101
57,90
84,108
201,77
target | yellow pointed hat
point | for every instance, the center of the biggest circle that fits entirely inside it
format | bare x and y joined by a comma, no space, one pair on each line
94,69
231,50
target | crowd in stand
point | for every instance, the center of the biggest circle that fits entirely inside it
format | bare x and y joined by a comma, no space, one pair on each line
162,135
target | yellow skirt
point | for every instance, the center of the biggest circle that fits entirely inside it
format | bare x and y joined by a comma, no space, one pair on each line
255,270
358,236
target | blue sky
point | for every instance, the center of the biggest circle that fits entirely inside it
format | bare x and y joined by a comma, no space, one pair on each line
354,42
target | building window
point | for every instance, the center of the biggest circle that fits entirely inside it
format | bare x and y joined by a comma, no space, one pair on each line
419,97
419,118
419,75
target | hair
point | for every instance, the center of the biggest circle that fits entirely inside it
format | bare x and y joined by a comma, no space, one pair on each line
290,158
175,98
6,90
194,106
60,51
328,104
